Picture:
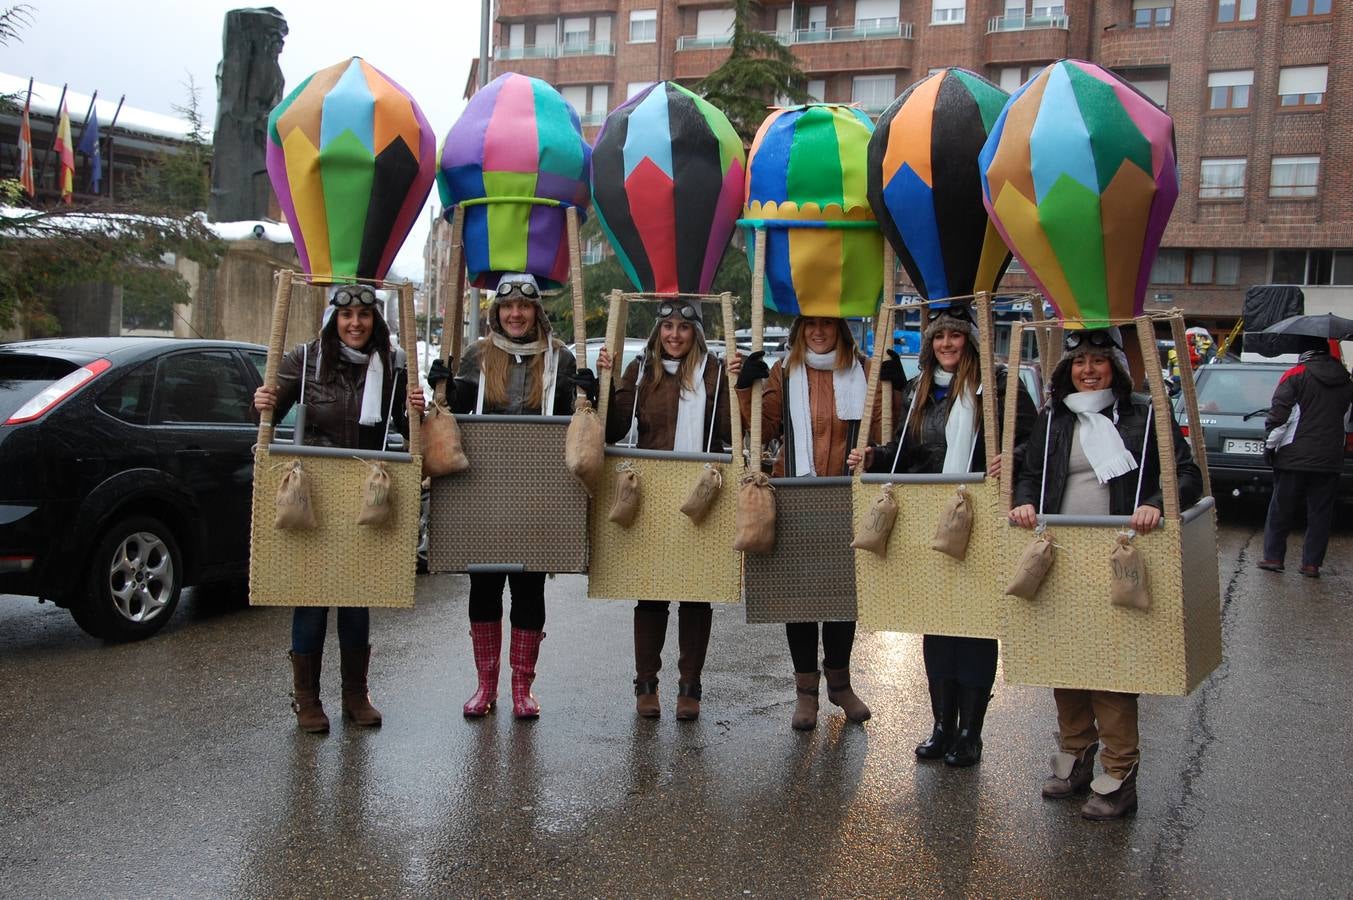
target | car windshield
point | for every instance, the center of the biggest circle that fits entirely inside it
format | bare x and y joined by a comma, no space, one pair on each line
1237,390
22,376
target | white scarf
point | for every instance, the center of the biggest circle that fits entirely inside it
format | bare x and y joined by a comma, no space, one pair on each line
848,390
375,372
960,429
690,423
549,373
1100,440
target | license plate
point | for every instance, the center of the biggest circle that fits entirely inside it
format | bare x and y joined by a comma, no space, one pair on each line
1246,448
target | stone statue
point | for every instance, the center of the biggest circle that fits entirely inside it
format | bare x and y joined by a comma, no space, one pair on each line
248,85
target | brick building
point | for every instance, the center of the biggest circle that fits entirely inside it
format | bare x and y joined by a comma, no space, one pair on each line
1256,88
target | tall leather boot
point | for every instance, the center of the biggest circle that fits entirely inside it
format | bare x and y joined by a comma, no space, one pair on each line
944,706
972,711
305,692
1071,773
1111,798
693,624
650,632
840,693
357,706
522,655
805,707
486,639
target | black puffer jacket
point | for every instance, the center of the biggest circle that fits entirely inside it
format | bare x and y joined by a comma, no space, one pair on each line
926,452
519,377
333,406
1132,422
1308,417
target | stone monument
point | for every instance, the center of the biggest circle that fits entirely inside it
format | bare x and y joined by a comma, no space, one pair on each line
248,85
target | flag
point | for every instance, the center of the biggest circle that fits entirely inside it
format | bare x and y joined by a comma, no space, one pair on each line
65,181
26,155
89,146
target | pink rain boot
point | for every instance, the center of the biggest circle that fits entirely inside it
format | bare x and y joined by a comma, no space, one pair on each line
487,640
522,654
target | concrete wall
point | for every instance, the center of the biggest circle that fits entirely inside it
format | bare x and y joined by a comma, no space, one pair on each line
93,309
234,301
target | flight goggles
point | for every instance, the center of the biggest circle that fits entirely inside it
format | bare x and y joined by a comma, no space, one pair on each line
525,288
358,294
1099,339
685,310
960,311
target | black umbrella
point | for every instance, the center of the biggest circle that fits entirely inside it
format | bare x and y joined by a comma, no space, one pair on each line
1328,326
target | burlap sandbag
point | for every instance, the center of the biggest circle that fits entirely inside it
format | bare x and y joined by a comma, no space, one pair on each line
294,511
755,517
702,496
955,526
625,506
375,496
876,526
585,446
1033,567
443,451
1127,583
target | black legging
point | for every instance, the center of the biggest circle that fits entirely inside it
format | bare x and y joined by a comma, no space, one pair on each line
528,599
837,639
969,661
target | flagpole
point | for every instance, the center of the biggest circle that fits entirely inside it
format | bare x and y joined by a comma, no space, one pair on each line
56,125
87,114
111,125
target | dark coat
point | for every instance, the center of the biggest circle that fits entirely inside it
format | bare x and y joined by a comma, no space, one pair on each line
1308,418
1132,425
333,406
518,382
658,405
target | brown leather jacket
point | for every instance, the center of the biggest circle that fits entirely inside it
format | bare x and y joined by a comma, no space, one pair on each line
657,409
334,406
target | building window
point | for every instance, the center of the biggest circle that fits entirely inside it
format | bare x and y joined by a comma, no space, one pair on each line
1152,13
874,92
817,90
876,15
1312,267
1229,90
947,12
577,32
1299,8
1236,10
1222,179
1169,267
714,23
1010,78
1302,85
1294,176
1155,89
643,26
636,87
1227,267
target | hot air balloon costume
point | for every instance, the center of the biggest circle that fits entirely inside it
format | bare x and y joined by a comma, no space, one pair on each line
351,158
1079,176
925,187
667,185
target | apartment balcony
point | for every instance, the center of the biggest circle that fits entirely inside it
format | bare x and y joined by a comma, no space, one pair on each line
570,7
1125,47
880,44
526,9
555,51
589,69
544,67
694,63
1018,39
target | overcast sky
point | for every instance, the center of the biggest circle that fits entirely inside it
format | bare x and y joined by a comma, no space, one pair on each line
146,49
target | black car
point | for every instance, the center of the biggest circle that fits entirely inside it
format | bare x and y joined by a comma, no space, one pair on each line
128,472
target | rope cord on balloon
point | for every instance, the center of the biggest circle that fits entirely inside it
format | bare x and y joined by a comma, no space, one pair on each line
337,279
804,223
523,200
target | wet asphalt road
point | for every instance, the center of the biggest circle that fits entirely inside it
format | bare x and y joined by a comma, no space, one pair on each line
173,767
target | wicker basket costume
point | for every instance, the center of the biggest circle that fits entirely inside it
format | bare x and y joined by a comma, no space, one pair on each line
338,563
663,555
1070,635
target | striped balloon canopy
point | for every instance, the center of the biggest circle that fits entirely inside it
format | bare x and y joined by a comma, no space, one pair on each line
807,187
667,185
1079,176
514,161
925,184
352,159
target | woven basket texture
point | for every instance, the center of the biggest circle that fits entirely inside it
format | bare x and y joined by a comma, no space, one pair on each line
1070,635
339,563
516,504
810,575
920,590
663,555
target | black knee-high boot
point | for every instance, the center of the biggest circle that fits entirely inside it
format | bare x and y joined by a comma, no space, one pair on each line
944,706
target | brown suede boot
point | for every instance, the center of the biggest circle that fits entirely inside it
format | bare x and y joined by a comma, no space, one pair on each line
1111,798
305,692
693,625
840,693
650,632
356,701
805,709
1071,774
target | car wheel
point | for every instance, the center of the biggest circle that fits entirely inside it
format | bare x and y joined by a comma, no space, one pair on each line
135,578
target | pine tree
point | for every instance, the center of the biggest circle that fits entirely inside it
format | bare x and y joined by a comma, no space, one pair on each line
759,72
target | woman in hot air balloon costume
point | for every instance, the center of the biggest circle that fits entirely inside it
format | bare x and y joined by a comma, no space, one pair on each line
667,183
514,161
352,159
1079,175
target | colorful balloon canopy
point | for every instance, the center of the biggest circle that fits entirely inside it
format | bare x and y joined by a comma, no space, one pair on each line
514,161
352,159
1079,176
926,188
806,186
667,183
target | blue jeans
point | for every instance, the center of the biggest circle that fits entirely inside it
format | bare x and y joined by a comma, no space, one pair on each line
309,624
